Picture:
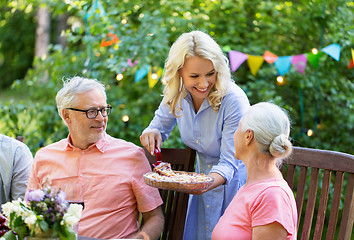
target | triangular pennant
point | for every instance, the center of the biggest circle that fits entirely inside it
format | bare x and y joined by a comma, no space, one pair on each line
299,62
236,59
313,59
269,57
333,50
254,63
141,73
352,54
152,81
132,64
351,64
283,64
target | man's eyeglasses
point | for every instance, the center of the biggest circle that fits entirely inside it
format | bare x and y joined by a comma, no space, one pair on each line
92,113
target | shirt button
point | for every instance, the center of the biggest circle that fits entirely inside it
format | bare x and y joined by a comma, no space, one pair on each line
207,227
207,206
197,141
209,166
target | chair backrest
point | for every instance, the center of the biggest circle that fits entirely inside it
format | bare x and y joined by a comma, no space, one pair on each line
327,192
175,203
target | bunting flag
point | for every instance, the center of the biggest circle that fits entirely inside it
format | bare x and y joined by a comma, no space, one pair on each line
153,81
113,39
333,50
96,7
283,64
352,54
254,63
141,73
313,59
236,59
269,57
351,64
132,64
299,62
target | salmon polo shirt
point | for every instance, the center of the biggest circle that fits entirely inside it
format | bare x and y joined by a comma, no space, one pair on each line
107,177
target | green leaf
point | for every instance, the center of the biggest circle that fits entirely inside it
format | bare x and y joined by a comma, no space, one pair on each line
10,236
56,228
44,225
21,230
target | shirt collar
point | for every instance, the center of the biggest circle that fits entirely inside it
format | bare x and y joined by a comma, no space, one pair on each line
204,105
100,145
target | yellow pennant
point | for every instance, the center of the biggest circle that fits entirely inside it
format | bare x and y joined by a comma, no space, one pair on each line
254,63
153,77
352,54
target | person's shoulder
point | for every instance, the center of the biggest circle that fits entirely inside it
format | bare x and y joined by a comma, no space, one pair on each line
12,142
59,145
121,143
235,99
234,90
276,188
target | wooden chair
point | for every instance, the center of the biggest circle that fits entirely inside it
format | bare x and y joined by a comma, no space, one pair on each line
331,173
175,203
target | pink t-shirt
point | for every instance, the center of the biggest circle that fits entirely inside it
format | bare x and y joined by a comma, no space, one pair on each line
107,177
258,204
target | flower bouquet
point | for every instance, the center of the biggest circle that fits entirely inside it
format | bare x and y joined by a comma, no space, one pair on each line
44,213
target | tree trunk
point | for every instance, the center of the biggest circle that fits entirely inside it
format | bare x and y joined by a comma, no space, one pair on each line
60,29
42,32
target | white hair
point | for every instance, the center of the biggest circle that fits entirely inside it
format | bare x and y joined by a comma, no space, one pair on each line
71,87
195,44
271,128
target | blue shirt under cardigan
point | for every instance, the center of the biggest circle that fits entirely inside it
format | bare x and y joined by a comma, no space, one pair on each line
210,133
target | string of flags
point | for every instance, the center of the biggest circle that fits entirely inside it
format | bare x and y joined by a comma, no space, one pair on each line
283,63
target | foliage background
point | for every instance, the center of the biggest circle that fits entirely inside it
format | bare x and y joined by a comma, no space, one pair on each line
253,26
285,28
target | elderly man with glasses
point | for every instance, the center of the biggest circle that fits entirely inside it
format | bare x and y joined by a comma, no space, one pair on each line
102,172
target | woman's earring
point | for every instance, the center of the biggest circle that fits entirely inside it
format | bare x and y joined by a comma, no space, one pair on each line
180,84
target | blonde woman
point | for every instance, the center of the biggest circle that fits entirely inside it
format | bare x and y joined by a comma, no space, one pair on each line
203,100
264,208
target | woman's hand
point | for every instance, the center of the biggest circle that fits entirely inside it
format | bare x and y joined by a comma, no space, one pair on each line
151,139
218,180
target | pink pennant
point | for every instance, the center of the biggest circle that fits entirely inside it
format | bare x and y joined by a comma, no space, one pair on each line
131,64
236,59
299,62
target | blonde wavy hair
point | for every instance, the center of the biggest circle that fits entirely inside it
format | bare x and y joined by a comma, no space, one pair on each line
194,44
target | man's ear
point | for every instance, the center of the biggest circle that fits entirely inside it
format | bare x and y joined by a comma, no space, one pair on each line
66,115
249,135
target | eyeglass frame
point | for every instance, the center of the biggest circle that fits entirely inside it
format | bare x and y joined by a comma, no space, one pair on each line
96,111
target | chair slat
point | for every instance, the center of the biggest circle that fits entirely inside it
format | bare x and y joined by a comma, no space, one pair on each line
321,215
290,175
310,206
335,206
175,203
300,193
346,225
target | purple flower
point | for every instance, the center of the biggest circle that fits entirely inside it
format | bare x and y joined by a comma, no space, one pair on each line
61,197
35,195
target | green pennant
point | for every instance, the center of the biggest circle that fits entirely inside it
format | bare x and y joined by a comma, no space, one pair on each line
313,58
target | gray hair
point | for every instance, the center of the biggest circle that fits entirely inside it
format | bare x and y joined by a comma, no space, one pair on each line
195,44
71,87
271,128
